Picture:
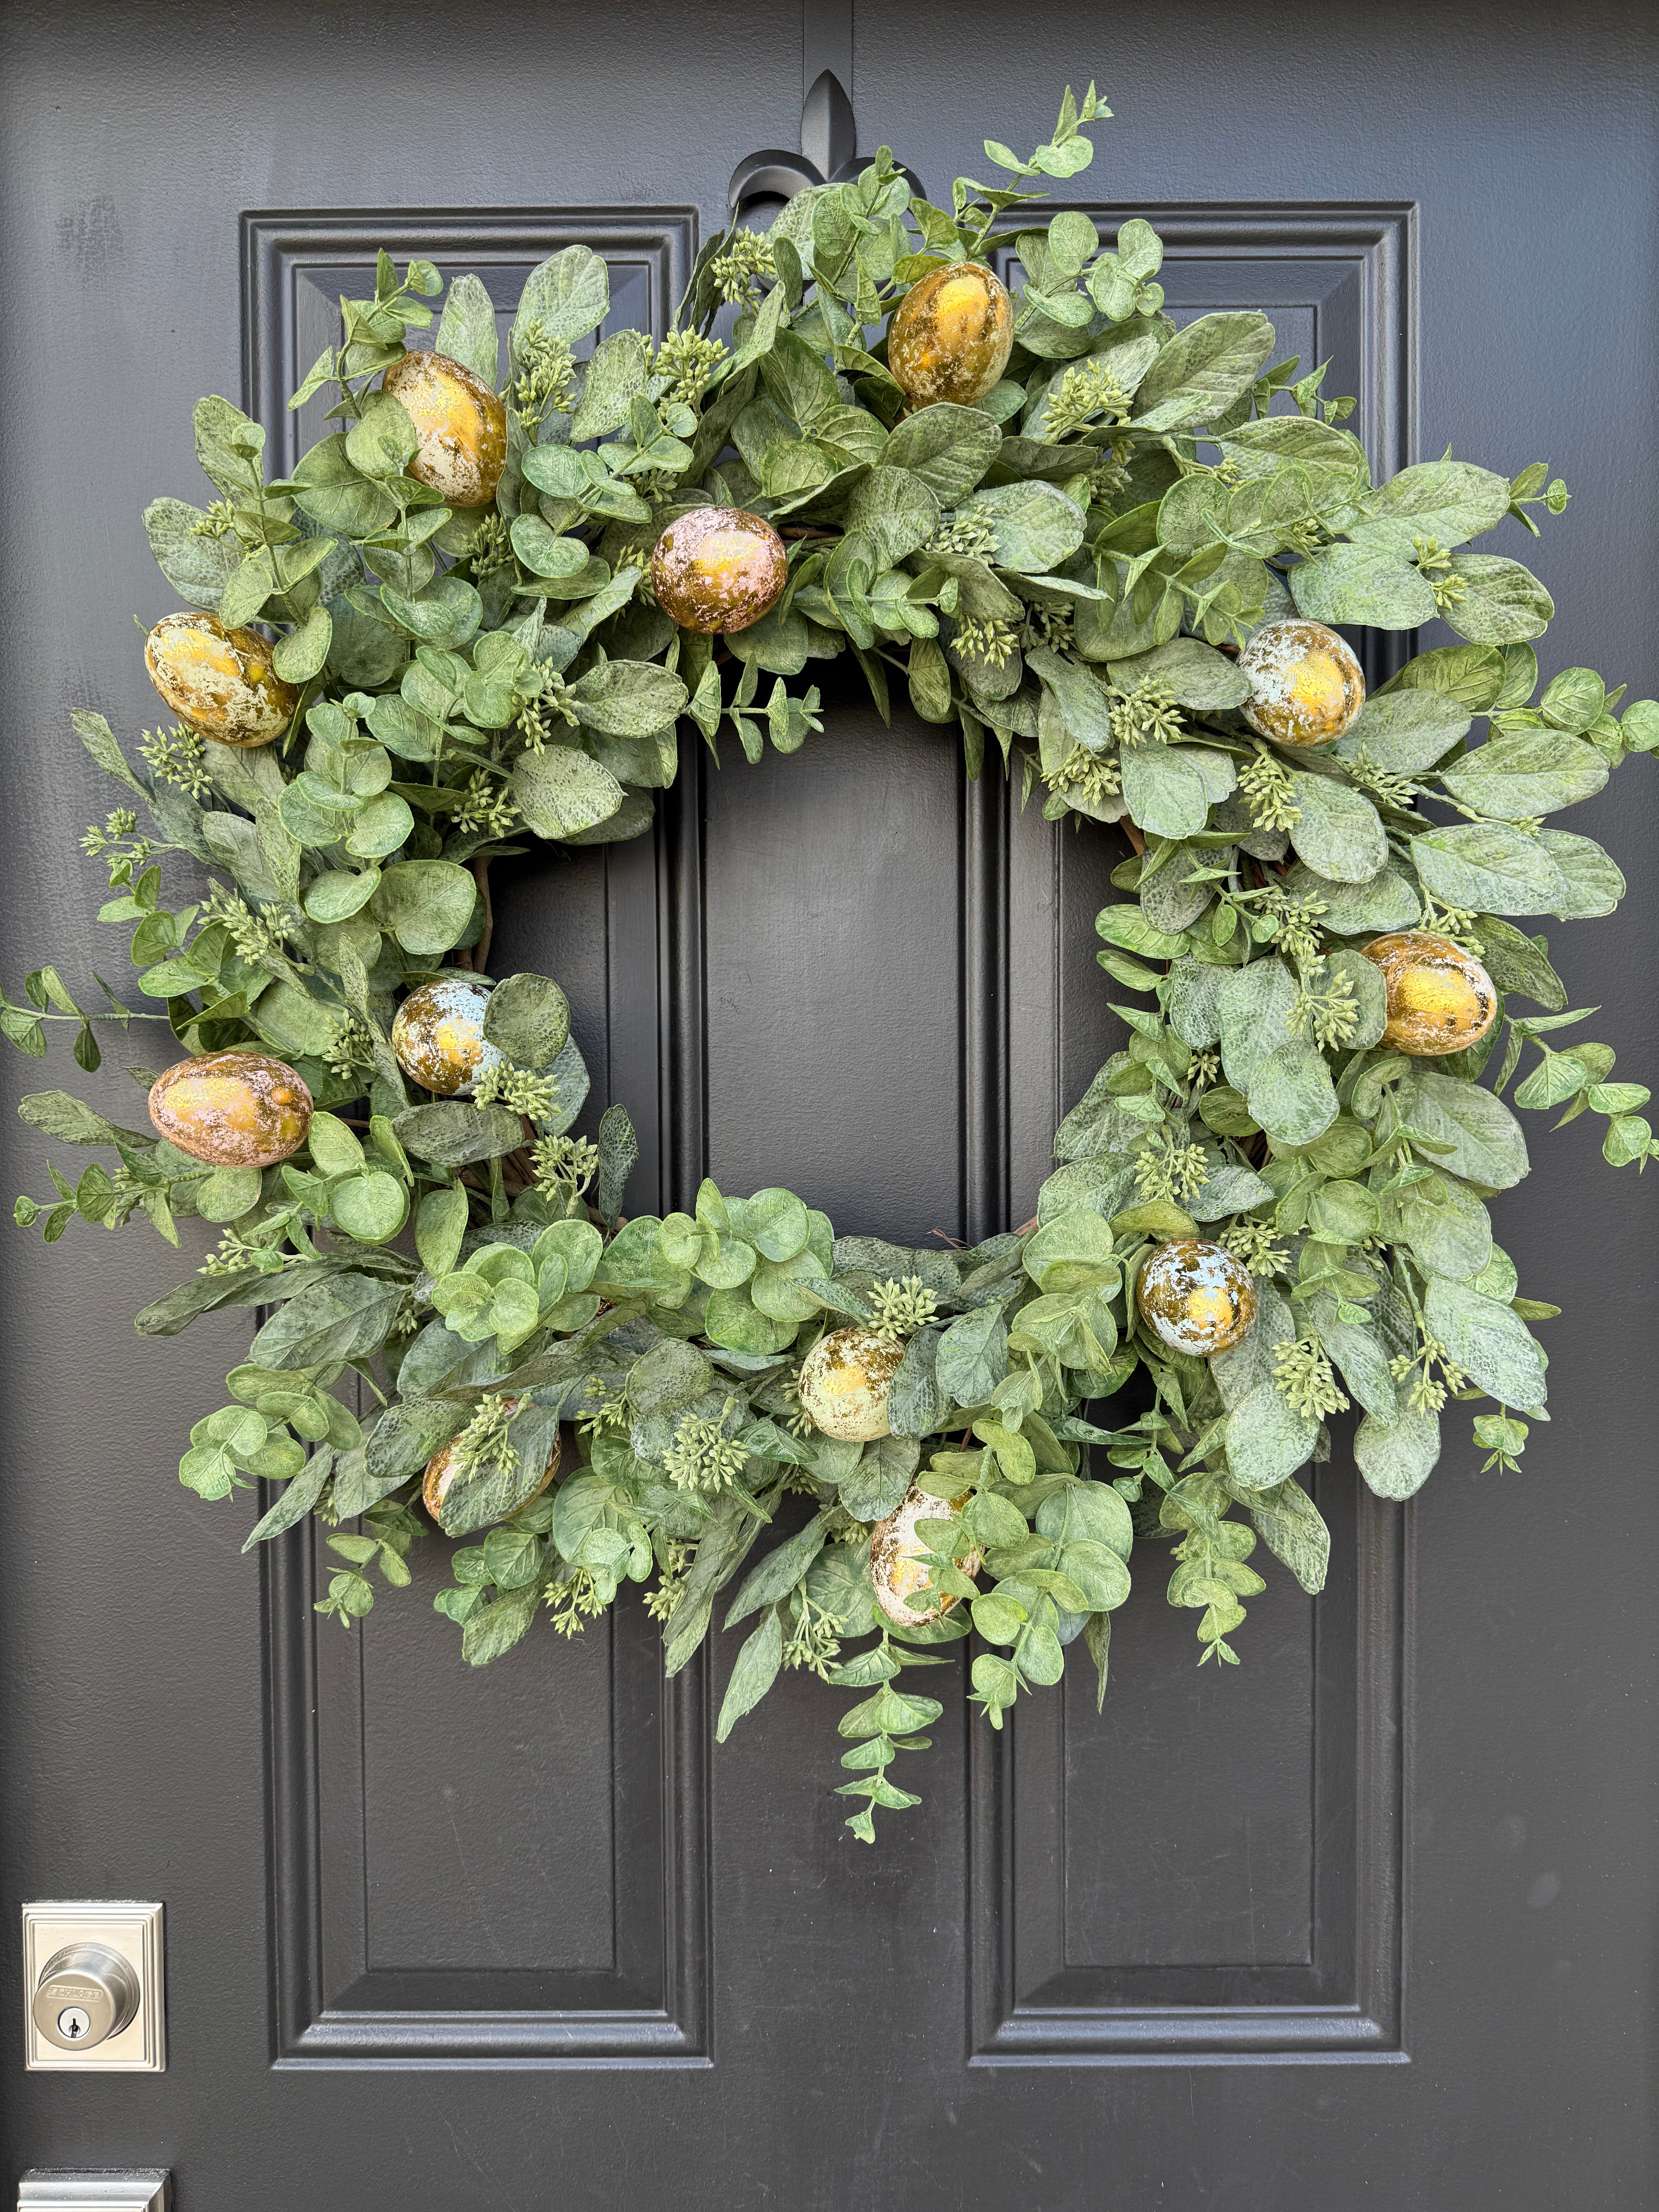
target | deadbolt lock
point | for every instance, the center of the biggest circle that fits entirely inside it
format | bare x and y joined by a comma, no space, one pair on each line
93,1984
85,1994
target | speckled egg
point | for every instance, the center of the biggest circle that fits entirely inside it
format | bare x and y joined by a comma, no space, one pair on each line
1196,1296
218,682
844,1381
234,1109
895,1565
441,1472
438,1036
951,336
1308,687
1440,998
718,569
461,425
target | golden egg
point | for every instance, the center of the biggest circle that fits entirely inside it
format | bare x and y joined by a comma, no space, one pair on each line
441,1472
1440,998
719,568
1308,687
951,336
438,1036
1196,1296
219,682
896,1569
234,1109
461,425
844,1381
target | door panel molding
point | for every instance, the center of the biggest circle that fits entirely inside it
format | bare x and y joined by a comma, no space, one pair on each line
283,248
647,2002
1352,267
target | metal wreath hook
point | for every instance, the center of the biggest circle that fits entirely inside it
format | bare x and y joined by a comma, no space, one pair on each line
827,155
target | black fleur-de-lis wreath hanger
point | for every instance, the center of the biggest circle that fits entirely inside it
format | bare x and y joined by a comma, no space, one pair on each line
829,152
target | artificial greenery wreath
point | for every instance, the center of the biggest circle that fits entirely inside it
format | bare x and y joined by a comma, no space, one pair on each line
487,602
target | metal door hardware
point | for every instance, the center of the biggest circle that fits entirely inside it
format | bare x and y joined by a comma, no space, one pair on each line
123,2189
93,1988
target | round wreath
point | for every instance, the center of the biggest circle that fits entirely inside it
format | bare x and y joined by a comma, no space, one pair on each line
488,600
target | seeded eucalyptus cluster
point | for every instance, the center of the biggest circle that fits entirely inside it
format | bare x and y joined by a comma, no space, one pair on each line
1108,554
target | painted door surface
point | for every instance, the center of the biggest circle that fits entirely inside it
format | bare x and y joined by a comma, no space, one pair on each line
1368,1920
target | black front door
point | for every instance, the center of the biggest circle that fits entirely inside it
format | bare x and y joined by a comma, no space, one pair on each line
1365,1921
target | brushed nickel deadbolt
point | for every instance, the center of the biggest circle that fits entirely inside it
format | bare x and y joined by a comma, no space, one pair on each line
92,1980
86,1993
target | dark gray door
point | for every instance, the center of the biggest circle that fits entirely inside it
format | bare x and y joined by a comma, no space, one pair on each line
1367,1921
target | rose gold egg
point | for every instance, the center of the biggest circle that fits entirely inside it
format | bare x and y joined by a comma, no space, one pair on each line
718,569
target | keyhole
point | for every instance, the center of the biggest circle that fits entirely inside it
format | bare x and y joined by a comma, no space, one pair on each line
73,2023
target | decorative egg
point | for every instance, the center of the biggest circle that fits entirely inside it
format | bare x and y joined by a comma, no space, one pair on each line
234,1109
896,1568
844,1381
438,1036
461,425
219,682
1196,1296
1440,998
441,1472
1308,687
719,568
951,336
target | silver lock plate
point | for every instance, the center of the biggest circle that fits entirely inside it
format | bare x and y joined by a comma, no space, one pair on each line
93,1987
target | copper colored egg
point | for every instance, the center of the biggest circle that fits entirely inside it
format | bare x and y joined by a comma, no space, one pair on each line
1309,686
844,1381
1196,1296
461,425
438,1036
719,568
896,1569
951,336
234,1109
219,682
1440,998
441,1472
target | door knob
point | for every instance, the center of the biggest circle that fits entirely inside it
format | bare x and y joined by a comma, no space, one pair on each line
85,1994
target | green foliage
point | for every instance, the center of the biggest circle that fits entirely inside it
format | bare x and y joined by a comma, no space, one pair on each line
1070,565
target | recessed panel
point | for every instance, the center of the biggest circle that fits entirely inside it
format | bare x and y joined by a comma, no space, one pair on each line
1189,1800
489,1839
833,955
503,1863
1210,1867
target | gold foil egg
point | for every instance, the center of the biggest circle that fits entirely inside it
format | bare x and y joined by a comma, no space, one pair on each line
234,1109
1440,998
1308,684
461,425
1196,1296
218,682
951,336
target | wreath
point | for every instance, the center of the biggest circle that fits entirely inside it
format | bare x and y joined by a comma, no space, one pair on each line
1108,553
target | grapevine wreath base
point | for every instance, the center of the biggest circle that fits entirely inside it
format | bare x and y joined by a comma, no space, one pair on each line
1108,554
